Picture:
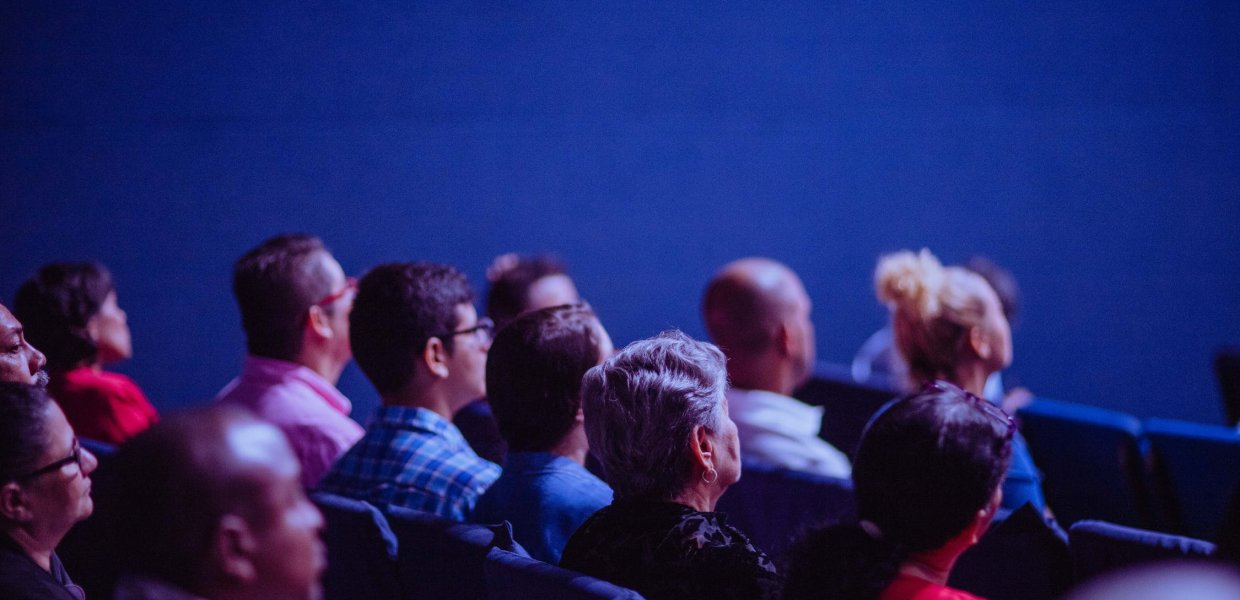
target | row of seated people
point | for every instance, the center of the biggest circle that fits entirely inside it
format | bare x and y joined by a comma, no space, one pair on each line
414,332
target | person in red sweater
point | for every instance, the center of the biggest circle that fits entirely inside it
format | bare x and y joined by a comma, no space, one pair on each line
70,311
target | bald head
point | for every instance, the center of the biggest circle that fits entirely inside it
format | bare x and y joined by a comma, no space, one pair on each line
746,302
201,476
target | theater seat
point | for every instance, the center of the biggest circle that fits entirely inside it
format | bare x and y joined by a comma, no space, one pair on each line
1227,370
773,506
1196,468
847,405
510,576
440,558
1023,556
361,550
1098,547
1092,462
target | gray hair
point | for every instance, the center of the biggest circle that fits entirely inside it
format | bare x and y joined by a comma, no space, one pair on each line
641,406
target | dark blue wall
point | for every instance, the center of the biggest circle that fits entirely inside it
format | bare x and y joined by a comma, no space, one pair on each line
1094,150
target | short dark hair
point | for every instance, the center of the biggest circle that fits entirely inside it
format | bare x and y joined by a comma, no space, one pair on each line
925,465
275,284
398,307
23,428
534,371
509,294
167,489
55,306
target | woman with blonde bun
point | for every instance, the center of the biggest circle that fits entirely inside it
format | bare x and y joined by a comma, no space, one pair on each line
949,325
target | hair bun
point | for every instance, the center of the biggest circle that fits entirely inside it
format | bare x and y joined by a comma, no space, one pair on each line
909,281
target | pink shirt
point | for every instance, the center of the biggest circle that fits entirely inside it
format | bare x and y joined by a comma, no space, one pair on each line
311,412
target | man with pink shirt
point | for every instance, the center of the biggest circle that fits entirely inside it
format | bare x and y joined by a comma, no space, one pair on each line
295,302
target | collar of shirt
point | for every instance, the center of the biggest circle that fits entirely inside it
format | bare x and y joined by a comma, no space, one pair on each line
760,407
274,371
416,418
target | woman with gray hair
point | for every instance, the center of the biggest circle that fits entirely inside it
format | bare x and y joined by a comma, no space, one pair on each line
657,419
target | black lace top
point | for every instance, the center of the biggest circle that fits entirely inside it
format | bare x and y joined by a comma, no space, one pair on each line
667,550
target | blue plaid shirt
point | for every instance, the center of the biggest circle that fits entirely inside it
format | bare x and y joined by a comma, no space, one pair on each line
414,458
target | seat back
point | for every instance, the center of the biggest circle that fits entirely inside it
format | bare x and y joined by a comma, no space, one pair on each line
1098,547
847,405
361,550
1227,370
1021,557
440,558
510,576
774,506
1092,461
1196,467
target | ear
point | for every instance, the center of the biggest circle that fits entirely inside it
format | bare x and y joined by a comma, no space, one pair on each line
92,328
13,503
233,547
435,357
785,339
580,418
317,321
703,447
979,342
985,515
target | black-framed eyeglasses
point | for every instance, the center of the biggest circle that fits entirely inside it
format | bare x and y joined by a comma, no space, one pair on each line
484,330
74,457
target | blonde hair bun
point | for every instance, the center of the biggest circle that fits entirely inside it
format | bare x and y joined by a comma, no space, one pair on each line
911,282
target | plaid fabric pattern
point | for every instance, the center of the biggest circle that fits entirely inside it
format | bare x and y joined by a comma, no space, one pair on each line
414,458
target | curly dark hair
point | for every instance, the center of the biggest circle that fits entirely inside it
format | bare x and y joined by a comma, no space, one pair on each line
55,306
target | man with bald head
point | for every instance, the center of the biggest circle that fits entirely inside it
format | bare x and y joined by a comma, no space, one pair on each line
208,504
758,313
19,361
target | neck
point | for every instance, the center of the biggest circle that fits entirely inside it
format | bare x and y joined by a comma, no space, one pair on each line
39,550
321,363
932,565
766,372
972,378
574,446
431,399
698,496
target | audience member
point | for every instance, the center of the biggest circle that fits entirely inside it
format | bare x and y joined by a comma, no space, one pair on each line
657,418
418,338
757,310
534,372
70,311
948,325
208,504
44,491
295,300
1175,580
518,284
20,362
878,362
927,482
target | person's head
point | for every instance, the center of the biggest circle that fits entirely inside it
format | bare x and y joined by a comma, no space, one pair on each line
944,319
525,283
757,310
70,312
926,477
414,326
210,500
44,473
657,418
1002,282
534,372
294,300
20,361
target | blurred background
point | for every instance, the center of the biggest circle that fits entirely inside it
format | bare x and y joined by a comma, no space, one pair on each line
1091,148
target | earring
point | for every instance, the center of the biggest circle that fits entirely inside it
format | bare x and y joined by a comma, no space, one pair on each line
714,476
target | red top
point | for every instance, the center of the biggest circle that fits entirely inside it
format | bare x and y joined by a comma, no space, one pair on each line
102,406
907,587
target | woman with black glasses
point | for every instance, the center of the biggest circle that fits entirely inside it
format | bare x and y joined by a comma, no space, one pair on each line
44,491
927,480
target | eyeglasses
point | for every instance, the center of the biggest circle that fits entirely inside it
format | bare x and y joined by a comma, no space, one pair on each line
74,457
350,284
484,330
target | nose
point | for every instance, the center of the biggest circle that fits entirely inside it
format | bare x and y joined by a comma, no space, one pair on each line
89,462
37,360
